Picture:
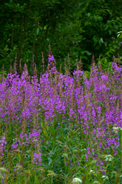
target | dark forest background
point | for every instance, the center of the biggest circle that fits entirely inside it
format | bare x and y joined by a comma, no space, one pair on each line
75,29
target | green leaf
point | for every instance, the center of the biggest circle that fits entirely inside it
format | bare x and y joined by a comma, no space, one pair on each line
37,31
88,14
3,169
88,53
101,40
45,27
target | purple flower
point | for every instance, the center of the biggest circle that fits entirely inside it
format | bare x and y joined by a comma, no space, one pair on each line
2,145
36,158
15,145
104,77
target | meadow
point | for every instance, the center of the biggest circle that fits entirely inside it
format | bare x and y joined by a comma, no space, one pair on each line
61,129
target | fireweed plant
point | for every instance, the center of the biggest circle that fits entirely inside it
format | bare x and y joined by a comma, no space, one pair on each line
61,130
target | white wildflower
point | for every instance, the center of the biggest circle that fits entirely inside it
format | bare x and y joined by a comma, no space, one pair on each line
96,182
76,181
91,171
104,177
108,158
116,129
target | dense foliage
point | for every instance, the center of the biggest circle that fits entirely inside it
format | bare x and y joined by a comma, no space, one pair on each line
80,28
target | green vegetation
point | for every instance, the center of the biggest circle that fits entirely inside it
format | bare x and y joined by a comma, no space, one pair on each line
80,28
60,119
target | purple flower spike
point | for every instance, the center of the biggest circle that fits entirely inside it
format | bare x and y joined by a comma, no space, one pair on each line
36,158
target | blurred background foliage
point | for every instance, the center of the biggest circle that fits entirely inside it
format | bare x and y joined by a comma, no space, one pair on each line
80,28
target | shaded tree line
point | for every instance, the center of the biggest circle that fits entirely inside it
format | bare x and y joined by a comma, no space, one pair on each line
80,28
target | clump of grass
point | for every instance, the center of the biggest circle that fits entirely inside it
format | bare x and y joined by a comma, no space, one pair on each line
61,129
